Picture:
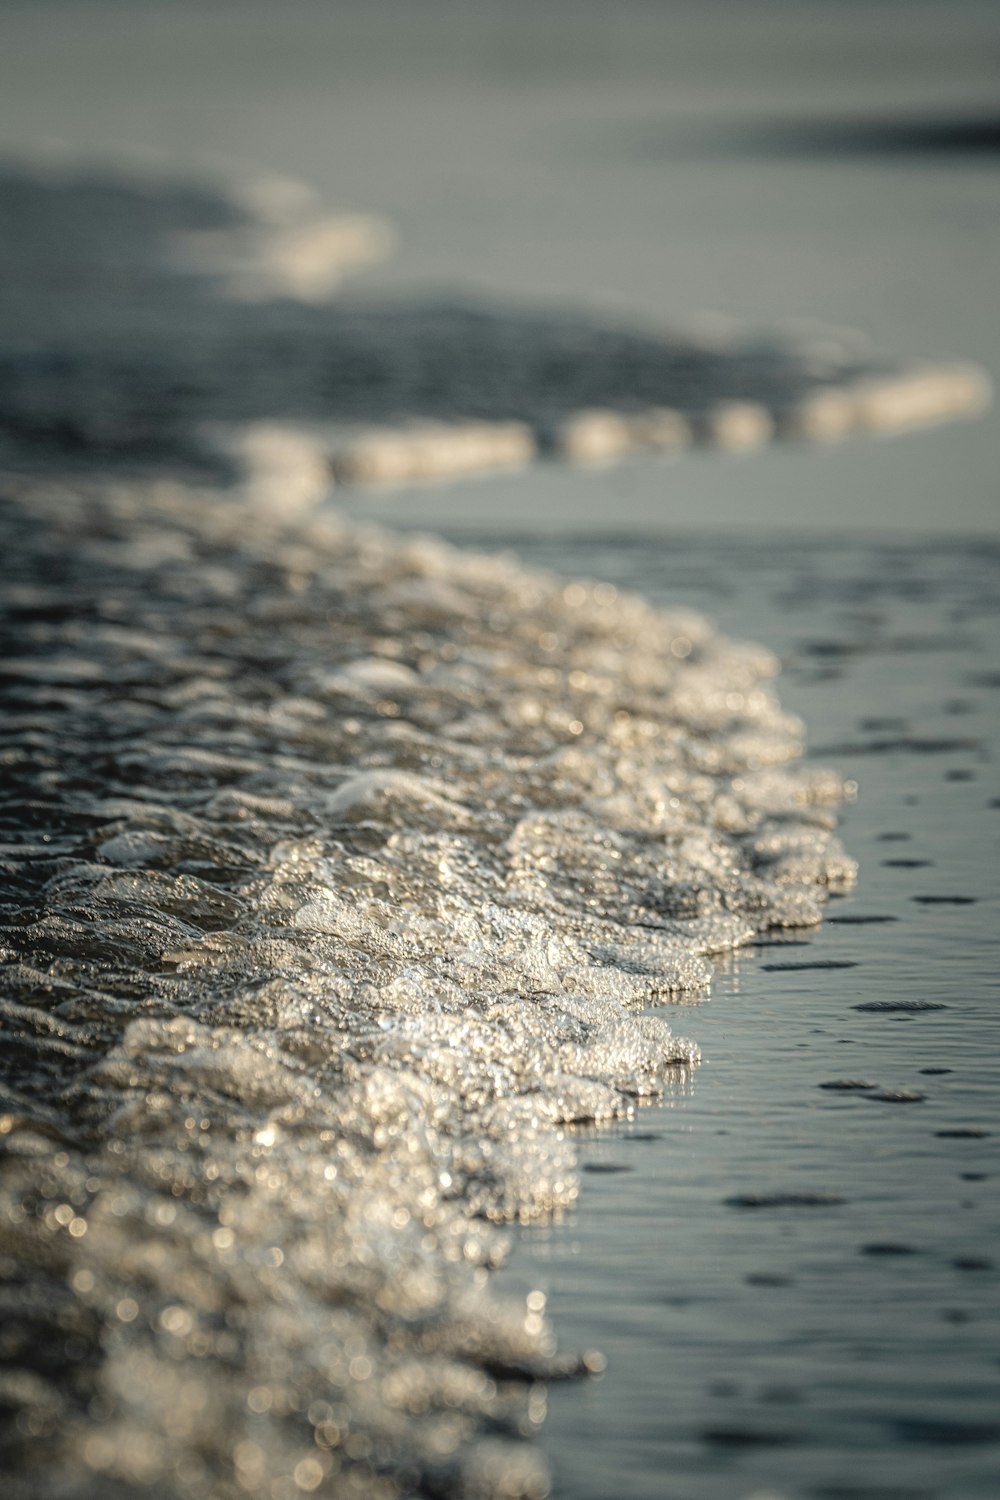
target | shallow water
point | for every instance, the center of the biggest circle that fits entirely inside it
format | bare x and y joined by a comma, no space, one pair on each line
184,1234
255,1091
796,1281
618,160
341,870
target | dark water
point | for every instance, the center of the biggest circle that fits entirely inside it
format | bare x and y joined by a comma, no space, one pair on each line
793,1263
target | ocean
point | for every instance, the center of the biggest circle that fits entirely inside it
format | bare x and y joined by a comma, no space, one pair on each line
474,1026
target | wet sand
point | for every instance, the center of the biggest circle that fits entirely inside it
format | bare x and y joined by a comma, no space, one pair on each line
792,1263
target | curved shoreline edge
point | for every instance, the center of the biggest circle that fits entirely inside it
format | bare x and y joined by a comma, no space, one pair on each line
924,394
339,868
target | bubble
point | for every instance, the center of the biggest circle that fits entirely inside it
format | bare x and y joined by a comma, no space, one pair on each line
334,985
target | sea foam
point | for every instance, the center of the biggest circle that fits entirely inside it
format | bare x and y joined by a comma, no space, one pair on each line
343,875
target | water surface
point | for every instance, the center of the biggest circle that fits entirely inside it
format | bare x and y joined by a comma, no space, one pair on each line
793,1264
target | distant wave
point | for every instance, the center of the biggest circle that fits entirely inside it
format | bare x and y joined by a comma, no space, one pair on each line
157,318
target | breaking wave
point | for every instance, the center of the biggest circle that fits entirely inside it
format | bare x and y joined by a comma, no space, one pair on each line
344,875
189,322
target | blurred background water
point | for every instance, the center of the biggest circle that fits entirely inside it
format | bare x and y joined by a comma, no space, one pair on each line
792,1263
790,159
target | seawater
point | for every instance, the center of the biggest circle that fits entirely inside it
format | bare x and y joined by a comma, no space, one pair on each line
791,1263
346,877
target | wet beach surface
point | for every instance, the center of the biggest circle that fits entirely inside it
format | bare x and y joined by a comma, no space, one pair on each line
340,871
792,1263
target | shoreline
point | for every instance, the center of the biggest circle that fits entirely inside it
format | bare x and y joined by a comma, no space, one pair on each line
331,908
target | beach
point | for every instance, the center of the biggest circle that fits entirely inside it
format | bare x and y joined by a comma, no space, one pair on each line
654,167
500,721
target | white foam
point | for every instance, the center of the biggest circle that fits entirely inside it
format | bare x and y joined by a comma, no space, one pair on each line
387,849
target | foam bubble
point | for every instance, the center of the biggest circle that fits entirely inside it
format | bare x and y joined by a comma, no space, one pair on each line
343,871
